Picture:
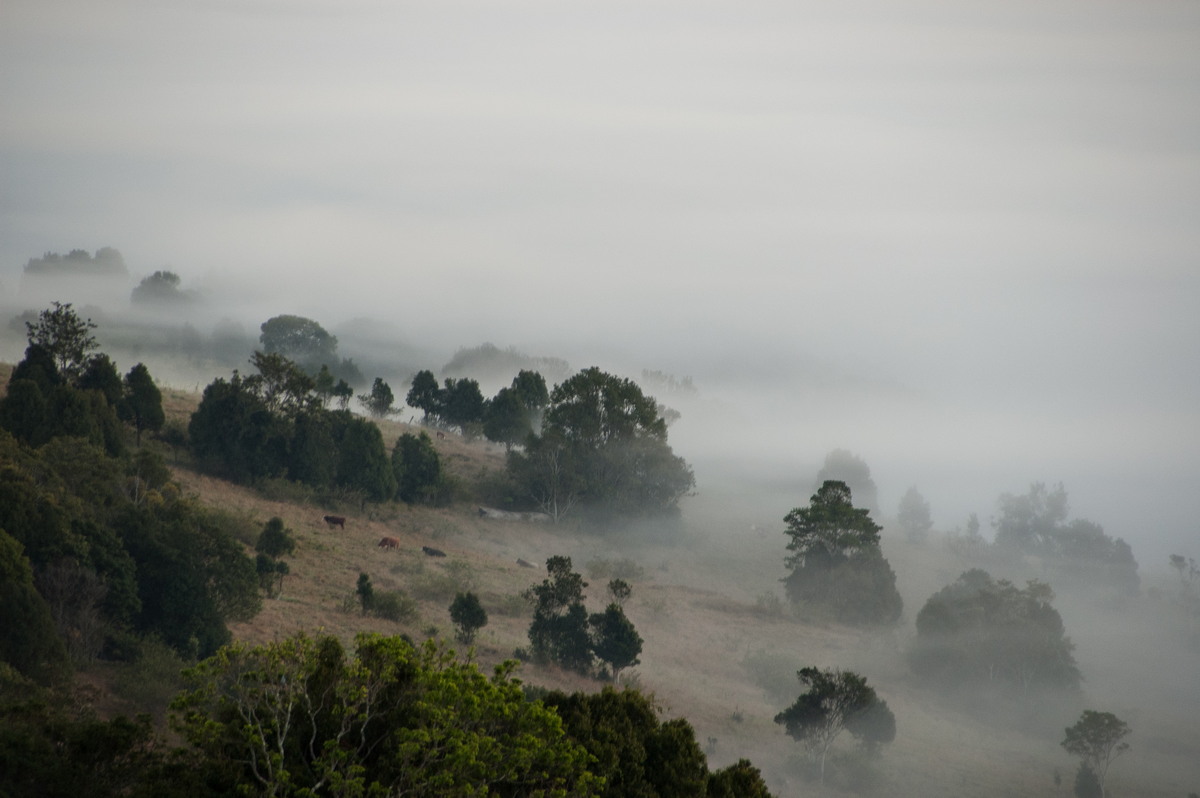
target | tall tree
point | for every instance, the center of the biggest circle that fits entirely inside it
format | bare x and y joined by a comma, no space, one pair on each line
379,403
425,394
836,701
416,467
913,516
65,336
615,641
143,401
1097,738
559,630
505,419
468,617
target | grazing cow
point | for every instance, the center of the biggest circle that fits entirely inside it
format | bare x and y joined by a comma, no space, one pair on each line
441,436
523,563
335,520
432,552
389,543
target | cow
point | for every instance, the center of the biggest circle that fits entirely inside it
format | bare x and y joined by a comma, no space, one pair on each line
441,436
432,552
523,563
389,543
335,520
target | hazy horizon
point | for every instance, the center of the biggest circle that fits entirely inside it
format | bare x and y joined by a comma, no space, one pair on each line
957,240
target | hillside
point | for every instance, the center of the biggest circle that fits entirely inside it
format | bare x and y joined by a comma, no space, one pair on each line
718,650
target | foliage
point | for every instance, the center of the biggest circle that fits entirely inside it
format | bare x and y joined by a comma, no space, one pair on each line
843,466
836,701
394,605
300,717
615,641
142,403
298,339
417,468
913,516
1036,524
425,394
984,631
619,591
365,591
160,287
461,402
65,336
363,462
506,420
29,641
603,445
559,630
739,780
1087,784
1097,738
468,617
836,562
275,540
380,402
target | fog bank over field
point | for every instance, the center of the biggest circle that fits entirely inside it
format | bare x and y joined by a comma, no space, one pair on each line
956,240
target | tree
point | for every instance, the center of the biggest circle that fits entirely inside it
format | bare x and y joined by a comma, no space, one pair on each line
417,467
602,444
160,287
65,336
101,375
978,630
363,462
28,639
425,394
275,540
836,562
835,701
505,419
739,780
844,466
302,717
559,630
298,339
615,641
619,591
1097,738
468,617
143,401
462,402
913,516
365,592
379,402
284,387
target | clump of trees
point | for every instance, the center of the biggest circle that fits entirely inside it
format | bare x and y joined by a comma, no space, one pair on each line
1036,524
842,465
836,701
983,631
306,343
836,563
563,633
603,447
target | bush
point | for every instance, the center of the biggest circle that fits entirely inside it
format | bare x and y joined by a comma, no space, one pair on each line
624,568
394,605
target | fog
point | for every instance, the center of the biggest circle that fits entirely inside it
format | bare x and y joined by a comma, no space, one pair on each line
958,240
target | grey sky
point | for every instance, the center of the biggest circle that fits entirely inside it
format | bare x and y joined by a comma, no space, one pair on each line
988,211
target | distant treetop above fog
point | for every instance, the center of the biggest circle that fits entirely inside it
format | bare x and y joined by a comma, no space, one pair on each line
843,466
107,262
489,363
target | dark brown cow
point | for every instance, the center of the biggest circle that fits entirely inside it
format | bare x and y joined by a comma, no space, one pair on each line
389,543
441,435
432,552
335,520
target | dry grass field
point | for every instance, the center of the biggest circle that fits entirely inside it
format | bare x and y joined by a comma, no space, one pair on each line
721,647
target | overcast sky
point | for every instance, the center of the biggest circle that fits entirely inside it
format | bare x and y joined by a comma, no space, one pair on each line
985,213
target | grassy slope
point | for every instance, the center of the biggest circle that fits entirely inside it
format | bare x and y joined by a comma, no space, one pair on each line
710,654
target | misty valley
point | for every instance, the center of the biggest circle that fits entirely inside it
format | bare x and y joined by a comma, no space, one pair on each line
251,551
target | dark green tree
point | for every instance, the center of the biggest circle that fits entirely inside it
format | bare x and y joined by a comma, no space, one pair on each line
284,387
365,592
416,467
739,780
299,339
25,412
142,401
559,630
468,617
363,462
235,435
275,540
101,375
462,403
38,366
65,336
29,640
530,388
615,641
836,562
833,702
425,395
1097,738
379,403
505,419
984,631
313,452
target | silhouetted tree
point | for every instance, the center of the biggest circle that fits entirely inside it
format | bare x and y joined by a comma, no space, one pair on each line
142,402
425,394
843,466
416,466
1097,738
559,630
65,336
913,516
615,641
468,617
379,402
299,339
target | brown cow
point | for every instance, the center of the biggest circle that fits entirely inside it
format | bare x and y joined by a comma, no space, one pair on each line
441,436
335,520
389,543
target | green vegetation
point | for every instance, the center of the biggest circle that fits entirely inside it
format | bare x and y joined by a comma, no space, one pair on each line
836,564
980,631
468,617
1097,738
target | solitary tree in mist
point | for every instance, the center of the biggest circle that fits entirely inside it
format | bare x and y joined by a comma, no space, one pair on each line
300,339
379,402
1097,738
65,336
425,394
836,561
836,701
913,516
615,641
160,287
